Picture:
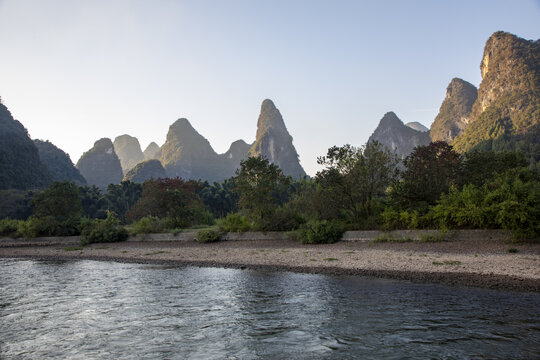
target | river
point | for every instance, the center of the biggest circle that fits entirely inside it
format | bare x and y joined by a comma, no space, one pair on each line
107,310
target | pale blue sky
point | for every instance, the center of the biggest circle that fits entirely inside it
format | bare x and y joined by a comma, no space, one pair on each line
75,71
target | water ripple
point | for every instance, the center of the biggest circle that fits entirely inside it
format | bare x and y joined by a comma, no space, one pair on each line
96,310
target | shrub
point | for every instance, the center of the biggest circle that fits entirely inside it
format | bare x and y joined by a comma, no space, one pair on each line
235,223
282,219
208,236
48,226
320,232
148,225
9,227
107,230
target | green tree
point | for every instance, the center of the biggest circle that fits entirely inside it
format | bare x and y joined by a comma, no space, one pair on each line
478,167
220,198
61,200
258,184
353,178
94,204
173,199
120,198
429,172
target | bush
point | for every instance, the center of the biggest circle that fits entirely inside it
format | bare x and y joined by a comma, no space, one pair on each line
148,225
282,219
320,232
235,223
9,227
107,230
48,226
208,236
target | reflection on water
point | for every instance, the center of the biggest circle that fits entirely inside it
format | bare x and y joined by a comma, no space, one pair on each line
98,310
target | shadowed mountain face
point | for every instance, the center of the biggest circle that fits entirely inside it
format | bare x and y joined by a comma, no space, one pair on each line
274,142
58,163
128,150
149,169
396,136
20,165
100,165
151,151
506,113
455,111
415,125
187,154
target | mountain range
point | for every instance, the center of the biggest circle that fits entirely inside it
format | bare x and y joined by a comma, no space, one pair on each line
502,114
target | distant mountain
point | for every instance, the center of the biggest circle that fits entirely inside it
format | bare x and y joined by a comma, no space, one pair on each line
415,125
146,170
128,150
100,165
58,163
20,165
151,150
187,154
230,161
396,136
455,111
274,142
506,113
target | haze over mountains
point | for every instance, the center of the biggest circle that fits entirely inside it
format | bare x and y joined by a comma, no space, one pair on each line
502,114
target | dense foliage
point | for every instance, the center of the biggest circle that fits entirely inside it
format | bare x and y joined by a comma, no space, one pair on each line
58,163
21,167
103,230
358,188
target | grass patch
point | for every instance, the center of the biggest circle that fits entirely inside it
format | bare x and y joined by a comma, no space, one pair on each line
74,248
440,236
447,262
512,250
124,251
330,259
157,252
312,259
390,239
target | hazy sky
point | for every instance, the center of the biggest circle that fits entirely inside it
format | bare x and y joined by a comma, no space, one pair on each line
76,71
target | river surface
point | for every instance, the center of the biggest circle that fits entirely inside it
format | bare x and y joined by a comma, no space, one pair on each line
106,310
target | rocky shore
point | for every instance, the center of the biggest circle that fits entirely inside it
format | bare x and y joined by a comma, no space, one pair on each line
479,263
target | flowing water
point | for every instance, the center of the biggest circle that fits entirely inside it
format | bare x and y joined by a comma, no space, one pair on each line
107,310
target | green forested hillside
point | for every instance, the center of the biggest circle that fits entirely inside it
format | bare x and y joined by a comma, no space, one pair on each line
58,163
20,166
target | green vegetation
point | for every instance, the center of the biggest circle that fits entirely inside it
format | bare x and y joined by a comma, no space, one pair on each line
148,225
320,232
103,231
58,163
208,236
359,188
21,166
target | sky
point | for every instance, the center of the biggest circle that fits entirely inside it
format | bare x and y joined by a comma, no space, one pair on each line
75,71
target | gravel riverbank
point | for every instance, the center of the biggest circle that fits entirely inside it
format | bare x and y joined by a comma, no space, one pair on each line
481,263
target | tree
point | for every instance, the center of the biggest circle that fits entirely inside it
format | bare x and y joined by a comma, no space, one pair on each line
478,167
429,172
122,197
61,200
174,199
220,198
94,204
258,184
354,177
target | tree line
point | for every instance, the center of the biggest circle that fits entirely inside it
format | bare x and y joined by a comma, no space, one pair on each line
358,188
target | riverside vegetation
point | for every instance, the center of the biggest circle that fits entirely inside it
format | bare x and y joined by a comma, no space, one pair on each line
358,188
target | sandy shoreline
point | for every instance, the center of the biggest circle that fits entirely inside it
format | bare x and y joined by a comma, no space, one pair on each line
485,264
